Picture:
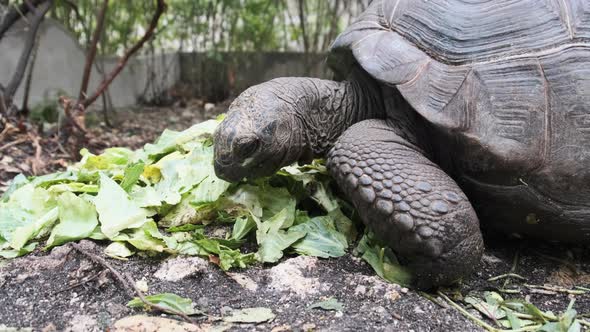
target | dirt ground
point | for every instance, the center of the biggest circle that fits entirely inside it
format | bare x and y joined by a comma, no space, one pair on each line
64,290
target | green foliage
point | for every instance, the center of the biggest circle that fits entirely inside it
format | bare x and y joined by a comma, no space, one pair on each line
166,199
519,314
46,111
214,25
125,21
383,260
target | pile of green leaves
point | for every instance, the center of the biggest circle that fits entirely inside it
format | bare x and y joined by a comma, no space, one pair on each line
521,315
166,199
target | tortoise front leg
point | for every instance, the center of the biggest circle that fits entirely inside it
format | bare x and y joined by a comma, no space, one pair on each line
408,202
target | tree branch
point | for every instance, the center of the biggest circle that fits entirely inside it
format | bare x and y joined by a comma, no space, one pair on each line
91,53
304,36
29,79
160,8
15,13
19,73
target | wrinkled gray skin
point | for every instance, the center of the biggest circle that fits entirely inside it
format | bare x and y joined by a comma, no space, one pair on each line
424,115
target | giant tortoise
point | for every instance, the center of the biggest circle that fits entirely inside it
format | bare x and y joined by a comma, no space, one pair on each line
442,113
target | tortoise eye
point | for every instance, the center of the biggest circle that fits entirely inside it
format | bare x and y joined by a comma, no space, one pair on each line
246,146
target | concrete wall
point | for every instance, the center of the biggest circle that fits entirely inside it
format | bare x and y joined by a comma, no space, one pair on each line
60,63
215,77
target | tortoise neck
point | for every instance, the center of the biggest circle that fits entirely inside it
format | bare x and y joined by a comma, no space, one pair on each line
325,109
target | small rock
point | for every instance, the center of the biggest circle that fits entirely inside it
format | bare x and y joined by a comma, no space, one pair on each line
226,310
142,285
281,328
308,327
178,268
372,286
209,107
115,309
82,323
288,276
48,328
219,233
383,313
244,281
187,113
419,310
360,290
490,259
152,324
203,302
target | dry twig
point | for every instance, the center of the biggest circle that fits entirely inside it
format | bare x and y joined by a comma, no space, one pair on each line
78,284
13,143
128,283
36,164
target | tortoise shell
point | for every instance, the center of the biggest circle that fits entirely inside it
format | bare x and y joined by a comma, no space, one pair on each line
507,81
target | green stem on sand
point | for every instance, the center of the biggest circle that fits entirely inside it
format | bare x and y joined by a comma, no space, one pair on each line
482,323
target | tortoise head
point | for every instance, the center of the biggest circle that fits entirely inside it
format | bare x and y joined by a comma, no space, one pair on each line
259,135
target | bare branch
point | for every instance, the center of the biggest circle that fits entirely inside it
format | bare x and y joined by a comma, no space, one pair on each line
29,79
15,13
302,14
26,53
160,8
91,53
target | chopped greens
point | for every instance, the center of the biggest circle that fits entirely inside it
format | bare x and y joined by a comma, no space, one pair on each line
166,199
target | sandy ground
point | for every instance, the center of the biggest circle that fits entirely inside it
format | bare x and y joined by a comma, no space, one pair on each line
64,290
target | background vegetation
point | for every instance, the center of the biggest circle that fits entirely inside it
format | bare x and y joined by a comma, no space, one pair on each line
214,25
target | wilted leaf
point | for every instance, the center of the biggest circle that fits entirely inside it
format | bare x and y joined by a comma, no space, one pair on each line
383,261
169,301
490,310
330,304
250,315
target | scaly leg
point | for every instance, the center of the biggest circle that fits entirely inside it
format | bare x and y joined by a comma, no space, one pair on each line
408,202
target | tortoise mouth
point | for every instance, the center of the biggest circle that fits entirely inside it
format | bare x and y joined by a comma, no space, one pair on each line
228,171
233,171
